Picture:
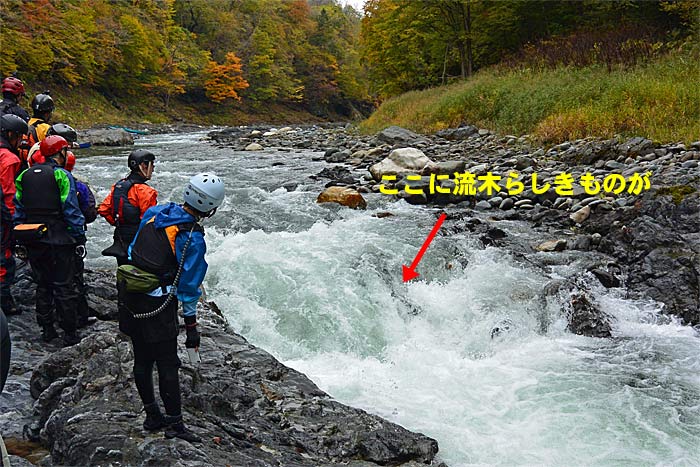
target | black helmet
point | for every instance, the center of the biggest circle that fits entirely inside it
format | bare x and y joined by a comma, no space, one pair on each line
138,156
42,103
13,123
61,129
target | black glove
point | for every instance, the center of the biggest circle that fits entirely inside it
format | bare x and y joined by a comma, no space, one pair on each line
192,341
81,240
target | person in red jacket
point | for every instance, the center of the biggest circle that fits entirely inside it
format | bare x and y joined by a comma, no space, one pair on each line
126,203
12,130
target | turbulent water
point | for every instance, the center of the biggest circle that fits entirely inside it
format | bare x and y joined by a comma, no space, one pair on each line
320,288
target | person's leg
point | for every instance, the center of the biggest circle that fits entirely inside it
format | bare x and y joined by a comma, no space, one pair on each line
7,271
143,377
5,350
40,260
7,276
62,284
168,376
169,387
83,309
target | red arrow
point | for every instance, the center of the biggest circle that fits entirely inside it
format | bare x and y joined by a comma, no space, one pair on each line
410,273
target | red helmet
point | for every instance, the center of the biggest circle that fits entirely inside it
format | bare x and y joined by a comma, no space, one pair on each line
70,161
52,145
13,86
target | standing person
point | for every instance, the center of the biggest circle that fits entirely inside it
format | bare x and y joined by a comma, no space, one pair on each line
12,130
60,129
127,202
170,246
12,93
46,195
86,201
42,108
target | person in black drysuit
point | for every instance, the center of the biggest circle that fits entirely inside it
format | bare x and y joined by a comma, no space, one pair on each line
12,92
46,194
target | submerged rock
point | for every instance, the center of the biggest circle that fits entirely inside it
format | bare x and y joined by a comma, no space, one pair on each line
343,196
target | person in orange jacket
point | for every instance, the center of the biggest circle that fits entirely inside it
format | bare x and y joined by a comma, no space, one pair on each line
12,129
126,203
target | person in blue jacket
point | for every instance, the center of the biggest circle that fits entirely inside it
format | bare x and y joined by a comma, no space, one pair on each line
169,244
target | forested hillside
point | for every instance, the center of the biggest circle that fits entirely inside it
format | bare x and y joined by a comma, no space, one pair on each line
249,53
219,61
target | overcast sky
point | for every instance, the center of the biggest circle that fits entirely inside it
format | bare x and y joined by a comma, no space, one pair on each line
357,4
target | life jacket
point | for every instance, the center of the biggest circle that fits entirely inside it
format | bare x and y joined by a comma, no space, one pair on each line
42,203
154,249
28,140
127,217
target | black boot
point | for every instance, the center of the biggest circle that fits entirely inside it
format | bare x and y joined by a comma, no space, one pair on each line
70,338
8,306
154,418
48,333
176,429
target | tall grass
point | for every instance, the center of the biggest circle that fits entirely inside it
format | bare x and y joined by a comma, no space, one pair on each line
659,100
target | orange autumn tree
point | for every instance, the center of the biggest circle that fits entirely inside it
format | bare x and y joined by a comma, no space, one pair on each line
226,79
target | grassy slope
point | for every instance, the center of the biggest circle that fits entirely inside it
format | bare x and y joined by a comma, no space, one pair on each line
659,100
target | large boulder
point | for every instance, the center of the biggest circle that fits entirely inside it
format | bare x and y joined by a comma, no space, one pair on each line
403,161
398,135
344,196
106,137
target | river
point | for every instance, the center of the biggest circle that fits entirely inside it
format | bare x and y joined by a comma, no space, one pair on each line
319,287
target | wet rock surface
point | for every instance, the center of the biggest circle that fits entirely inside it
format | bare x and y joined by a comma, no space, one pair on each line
79,406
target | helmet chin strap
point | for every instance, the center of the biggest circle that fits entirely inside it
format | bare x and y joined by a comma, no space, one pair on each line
149,170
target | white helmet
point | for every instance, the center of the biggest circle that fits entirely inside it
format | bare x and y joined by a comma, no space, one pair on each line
204,192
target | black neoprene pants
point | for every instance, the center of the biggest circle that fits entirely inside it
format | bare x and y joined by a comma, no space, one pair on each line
5,350
164,355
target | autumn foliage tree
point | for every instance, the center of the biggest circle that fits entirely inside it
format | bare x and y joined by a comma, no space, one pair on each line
226,79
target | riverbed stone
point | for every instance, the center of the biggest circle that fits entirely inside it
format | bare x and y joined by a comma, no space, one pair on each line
401,161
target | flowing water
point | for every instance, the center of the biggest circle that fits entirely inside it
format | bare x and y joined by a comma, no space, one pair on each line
320,287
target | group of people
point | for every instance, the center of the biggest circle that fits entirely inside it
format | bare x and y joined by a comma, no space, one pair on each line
159,248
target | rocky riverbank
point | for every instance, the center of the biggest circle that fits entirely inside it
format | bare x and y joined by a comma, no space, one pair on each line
79,406
646,241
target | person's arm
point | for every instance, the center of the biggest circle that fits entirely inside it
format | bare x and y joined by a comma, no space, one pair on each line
194,269
143,196
8,172
19,217
72,215
105,208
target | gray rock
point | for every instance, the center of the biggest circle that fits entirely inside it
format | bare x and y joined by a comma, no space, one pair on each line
396,134
506,204
586,318
483,205
106,137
